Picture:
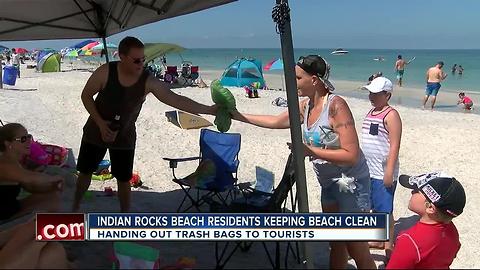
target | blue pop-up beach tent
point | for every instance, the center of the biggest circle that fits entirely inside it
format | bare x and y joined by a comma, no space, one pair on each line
243,72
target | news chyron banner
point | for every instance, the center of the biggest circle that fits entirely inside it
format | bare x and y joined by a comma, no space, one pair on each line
202,227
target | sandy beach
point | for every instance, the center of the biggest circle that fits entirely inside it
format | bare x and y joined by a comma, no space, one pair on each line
49,105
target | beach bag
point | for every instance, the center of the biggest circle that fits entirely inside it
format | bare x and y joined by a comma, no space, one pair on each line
38,155
58,154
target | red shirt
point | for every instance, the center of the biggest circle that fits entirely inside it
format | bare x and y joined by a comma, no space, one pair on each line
426,246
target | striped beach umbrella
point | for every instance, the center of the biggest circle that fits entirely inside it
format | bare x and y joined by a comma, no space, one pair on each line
89,46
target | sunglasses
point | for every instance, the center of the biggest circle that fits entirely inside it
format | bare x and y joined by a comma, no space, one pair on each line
24,138
306,63
138,60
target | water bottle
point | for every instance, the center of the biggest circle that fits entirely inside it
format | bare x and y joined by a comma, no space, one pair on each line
115,126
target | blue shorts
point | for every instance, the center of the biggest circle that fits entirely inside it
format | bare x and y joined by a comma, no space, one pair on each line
381,196
358,201
432,89
400,74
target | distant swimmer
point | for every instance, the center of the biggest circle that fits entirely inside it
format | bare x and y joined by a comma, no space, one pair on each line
454,69
434,76
400,68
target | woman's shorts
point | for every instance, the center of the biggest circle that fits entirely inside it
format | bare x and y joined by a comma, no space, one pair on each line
358,201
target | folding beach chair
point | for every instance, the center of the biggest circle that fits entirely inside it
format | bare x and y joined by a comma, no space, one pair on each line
217,172
255,201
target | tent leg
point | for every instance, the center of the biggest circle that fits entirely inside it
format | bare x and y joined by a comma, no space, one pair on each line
295,126
105,49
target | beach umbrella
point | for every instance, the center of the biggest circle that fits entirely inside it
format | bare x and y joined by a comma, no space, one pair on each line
275,64
90,46
100,47
21,50
87,18
3,48
154,50
81,44
72,53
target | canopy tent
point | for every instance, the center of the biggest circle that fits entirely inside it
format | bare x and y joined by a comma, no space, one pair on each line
243,72
154,50
102,18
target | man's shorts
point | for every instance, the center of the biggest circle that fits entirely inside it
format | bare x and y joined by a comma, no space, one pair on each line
358,201
432,89
400,74
381,196
121,160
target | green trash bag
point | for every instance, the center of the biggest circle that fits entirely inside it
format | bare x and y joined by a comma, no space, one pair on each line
226,103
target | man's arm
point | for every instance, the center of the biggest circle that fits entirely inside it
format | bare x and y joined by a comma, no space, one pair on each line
164,94
94,84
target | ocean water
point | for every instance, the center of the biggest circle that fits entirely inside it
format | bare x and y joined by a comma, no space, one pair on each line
358,65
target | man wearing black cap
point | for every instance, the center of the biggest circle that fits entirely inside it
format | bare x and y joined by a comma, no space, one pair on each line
433,242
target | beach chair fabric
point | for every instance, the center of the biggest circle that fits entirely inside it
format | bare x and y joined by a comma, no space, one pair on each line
220,152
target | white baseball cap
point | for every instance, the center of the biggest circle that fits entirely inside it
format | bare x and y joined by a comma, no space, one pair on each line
379,84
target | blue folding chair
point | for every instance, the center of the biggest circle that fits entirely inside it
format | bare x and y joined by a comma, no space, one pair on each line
222,149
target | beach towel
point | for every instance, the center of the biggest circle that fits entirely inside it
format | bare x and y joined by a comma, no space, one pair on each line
134,256
280,101
203,176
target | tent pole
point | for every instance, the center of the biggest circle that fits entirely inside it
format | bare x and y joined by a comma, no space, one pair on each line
105,48
295,127
1,75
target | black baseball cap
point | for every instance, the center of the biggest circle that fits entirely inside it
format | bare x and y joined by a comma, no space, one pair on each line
318,66
443,191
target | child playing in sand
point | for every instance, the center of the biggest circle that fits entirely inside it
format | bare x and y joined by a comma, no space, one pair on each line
433,242
465,100
381,134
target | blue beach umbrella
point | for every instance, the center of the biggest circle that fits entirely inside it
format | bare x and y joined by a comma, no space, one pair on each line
275,64
81,44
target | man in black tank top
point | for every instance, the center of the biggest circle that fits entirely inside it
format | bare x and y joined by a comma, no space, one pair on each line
122,87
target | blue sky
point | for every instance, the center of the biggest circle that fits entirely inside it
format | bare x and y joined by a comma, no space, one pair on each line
405,24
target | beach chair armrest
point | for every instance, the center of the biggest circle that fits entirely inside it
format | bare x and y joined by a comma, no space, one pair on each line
174,161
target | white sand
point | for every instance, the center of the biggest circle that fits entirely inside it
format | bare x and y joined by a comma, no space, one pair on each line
55,114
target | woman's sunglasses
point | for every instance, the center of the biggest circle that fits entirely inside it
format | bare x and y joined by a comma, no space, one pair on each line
24,138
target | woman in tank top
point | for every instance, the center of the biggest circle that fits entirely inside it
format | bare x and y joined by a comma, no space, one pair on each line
331,143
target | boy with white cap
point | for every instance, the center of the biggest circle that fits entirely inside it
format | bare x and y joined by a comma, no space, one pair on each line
433,242
381,135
